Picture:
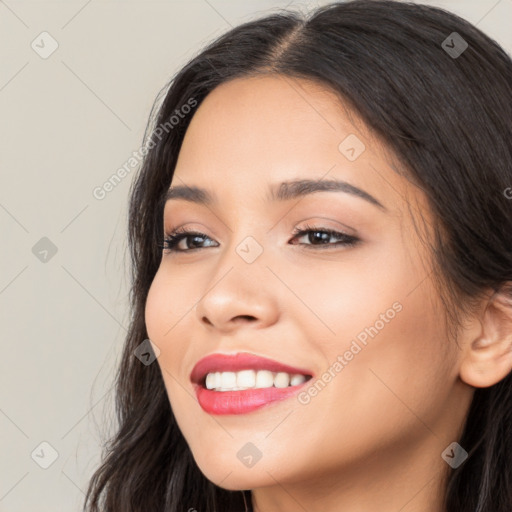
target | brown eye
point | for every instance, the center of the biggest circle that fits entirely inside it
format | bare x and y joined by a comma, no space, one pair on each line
172,240
321,236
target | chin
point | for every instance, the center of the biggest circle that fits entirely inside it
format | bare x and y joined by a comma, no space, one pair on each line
233,478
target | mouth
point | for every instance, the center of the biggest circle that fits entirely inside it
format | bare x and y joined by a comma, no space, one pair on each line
240,383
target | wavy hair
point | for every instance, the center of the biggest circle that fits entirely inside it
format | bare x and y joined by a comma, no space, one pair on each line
448,121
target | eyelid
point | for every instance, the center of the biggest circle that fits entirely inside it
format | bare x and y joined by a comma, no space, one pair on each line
319,222
190,226
345,228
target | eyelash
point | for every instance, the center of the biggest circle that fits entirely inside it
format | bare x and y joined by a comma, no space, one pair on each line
172,239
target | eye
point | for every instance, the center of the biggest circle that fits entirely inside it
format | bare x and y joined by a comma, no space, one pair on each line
321,237
172,240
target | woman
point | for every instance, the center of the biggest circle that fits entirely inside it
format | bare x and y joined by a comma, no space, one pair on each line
322,260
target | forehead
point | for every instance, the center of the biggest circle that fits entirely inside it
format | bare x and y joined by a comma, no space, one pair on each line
269,115
250,132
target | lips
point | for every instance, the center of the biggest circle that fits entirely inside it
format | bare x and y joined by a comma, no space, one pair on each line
241,401
238,362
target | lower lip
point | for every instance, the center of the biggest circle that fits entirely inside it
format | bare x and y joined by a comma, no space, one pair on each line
241,402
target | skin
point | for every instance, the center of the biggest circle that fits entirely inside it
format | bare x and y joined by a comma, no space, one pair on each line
372,438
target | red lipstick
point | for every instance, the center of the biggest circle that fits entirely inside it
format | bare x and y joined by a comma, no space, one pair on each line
246,400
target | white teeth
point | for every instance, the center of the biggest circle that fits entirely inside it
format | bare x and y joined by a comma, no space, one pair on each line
210,381
281,380
248,379
297,379
264,379
228,380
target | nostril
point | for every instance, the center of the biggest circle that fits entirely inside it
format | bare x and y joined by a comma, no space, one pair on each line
245,317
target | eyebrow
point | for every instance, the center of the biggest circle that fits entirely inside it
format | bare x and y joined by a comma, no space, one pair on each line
283,192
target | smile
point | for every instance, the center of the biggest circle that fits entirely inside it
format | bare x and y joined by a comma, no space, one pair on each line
241,383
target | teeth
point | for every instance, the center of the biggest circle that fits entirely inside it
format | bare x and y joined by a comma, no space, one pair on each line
264,379
246,379
281,380
297,379
211,381
249,379
228,380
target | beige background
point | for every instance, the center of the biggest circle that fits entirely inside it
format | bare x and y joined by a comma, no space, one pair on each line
68,122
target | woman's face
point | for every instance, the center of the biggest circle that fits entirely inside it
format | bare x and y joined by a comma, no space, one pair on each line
363,318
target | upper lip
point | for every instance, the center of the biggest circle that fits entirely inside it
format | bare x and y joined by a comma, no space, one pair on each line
237,362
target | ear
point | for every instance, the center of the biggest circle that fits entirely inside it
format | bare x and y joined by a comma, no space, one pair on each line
487,355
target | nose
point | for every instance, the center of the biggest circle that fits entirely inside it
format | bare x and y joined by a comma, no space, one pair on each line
239,297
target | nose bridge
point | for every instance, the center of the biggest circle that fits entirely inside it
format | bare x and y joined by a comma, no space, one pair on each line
249,237
240,283
245,261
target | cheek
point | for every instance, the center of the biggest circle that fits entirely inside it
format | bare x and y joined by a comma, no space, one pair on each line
399,377
386,323
168,314
162,324
155,309
356,298
168,304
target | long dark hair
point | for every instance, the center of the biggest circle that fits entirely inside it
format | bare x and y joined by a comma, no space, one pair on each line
447,117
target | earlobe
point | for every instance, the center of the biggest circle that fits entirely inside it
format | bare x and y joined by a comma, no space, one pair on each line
487,358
